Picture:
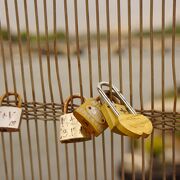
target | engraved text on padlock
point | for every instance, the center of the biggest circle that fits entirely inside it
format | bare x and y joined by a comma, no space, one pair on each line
10,117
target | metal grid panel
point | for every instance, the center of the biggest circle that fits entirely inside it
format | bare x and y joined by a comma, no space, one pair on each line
44,80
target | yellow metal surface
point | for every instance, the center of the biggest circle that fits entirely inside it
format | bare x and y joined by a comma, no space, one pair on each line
111,119
135,125
90,116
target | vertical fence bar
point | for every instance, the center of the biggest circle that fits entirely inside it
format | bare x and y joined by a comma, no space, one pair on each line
3,60
23,83
163,85
98,40
14,82
22,156
130,80
120,45
12,69
175,86
10,46
89,48
4,157
90,79
6,88
152,54
49,82
70,86
120,79
80,76
55,51
39,49
141,78
33,89
12,156
68,47
110,80
78,47
152,85
100,79
67,161
14,85
59,84
42,77
47,46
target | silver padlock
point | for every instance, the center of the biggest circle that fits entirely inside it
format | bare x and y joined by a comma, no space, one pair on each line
70,129
10,117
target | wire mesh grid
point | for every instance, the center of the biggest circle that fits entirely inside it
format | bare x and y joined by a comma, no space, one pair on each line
53,49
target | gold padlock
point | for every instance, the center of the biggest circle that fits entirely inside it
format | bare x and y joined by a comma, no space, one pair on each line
133,125
10,117
111,118
70,129
90,116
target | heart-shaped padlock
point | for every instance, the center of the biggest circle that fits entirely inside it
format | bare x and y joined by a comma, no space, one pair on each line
10,117
90,116
133,125
70,129
111,119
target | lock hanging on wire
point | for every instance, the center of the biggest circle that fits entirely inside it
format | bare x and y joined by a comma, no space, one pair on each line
133,125
70,129
111,119
10,117
90,116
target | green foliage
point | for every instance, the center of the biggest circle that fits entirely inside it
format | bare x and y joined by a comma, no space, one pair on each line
14,37
158,32
157,146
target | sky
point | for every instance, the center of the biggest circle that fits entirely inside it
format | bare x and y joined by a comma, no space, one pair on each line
82,14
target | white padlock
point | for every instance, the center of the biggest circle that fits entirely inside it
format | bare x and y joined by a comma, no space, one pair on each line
10,117
70,129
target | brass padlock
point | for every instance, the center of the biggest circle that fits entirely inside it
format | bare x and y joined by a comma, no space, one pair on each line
70,129
133,125
10,117
90,116
111,118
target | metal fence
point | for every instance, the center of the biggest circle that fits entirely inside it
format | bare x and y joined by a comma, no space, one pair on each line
44,75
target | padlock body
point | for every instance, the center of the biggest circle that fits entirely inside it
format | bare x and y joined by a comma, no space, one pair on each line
71,130
10,118
90,116
111,118
135,125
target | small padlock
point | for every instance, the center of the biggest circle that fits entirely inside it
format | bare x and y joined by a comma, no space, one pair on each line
70,129
90,116
133,125
10,117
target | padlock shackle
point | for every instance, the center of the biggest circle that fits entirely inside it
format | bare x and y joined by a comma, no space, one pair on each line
107,92
69,99
12,94
118,95
107,100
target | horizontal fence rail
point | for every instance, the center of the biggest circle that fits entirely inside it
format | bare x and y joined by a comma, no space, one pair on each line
50,50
